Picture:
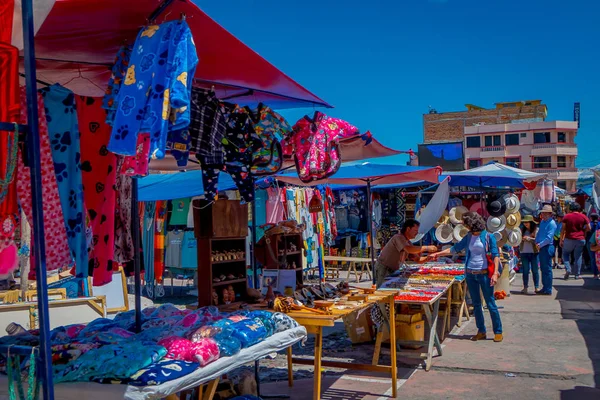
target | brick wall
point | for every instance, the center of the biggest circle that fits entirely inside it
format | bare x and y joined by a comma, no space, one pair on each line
449,126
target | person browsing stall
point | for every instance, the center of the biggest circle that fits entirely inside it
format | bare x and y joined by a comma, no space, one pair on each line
478,244
544,241
398,249
529,254
572,239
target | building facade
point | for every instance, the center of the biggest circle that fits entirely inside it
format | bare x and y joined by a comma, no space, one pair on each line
513,133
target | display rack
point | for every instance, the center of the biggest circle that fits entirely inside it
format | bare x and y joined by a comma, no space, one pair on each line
282,252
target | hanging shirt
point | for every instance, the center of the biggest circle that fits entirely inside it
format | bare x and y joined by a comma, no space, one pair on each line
155,94
179,213
207,127
173,249
274,206
109,102
189,251
271,128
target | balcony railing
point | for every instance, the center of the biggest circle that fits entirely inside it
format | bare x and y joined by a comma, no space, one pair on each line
493,148
553,170
554,146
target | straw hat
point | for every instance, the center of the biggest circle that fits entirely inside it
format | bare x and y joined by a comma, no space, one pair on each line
444,233
514,237
503,239
513,220
528,218
443,219
495,224
512,204
479,209
547,209
496,207
460,231
456,214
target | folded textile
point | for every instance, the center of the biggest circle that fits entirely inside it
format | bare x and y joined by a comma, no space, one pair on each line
162,371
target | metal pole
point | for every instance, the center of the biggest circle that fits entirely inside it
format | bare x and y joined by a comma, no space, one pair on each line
33,144
370,222
135,222
253,236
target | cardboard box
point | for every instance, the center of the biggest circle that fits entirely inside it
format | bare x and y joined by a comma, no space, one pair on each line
359,326
414,331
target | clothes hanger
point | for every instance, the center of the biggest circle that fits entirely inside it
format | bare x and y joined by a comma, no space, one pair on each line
80,76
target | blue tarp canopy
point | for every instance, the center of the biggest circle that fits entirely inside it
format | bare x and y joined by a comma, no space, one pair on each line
178,185
382,187
377,174
492,175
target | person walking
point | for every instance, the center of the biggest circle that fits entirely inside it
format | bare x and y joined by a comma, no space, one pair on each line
595,248
529,254
544,241
397,249
557,247
590,237
572,239
478,245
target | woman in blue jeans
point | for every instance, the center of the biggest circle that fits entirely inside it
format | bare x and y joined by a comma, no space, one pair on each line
478,244
529,254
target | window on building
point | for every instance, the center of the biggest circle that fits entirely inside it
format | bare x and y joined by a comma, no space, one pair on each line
512,139
524,134
562,137
497,140
561,162
542,162
513,162
473,141
488,141
541,137
494,140
474,163
562,184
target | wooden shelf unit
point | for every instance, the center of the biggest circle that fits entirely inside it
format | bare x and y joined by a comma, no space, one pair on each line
272,259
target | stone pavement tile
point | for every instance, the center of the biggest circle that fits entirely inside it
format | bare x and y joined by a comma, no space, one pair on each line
452,385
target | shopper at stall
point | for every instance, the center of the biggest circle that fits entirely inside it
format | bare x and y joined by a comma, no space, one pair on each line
529,254
544,240
595,249
398,249
572,239
557,247
478,246
591,237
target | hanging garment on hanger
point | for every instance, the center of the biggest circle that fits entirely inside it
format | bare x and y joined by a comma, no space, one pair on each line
179,212
189,251
148,234
155,94
137,165
239,143
61,114
99,173
159,240
271,128
124,249
7,8
316,148
274,206
119,69
55,234
9,112
173,249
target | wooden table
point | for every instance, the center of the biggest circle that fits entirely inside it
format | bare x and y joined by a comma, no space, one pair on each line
431,310
314,324
365,266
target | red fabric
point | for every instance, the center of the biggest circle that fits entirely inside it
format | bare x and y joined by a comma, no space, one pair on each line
575,224
99,168
55,234
92,32
6,20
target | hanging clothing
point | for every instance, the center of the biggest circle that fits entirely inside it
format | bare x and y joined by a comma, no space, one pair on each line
179,211
124,249
315,144
173,249
138,164
159,240
109,102
99,172
7,8
271,128
61,114
148,239
55,233
274,205
189,251
155,94
207,128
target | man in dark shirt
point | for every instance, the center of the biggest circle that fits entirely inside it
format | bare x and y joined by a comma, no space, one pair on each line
572,239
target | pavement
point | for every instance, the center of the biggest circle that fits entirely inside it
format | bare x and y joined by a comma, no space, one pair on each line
551,350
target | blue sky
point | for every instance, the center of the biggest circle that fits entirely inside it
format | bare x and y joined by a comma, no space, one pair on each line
381,63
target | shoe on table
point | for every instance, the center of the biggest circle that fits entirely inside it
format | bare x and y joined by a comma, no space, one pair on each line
479,336
498,337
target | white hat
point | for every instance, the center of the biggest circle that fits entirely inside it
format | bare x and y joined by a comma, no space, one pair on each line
460,231
514,237
443,219
513,220
497,235
443,233
456,214
495,224
503,238
512,204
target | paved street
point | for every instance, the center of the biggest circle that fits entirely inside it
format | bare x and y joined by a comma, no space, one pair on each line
551,351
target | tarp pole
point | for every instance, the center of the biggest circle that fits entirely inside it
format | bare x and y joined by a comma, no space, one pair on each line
370,222
253,236
39,246
135,222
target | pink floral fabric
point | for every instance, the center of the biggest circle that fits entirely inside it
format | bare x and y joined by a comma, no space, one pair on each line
138,165
55,234
205,351
315,145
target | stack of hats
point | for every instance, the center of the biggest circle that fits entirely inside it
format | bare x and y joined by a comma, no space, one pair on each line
505,220
449,228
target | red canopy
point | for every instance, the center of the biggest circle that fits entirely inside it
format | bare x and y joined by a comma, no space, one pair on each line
78,41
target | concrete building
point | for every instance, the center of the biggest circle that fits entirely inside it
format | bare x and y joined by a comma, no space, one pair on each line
513,133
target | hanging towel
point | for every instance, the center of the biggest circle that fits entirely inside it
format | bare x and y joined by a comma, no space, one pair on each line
61,114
